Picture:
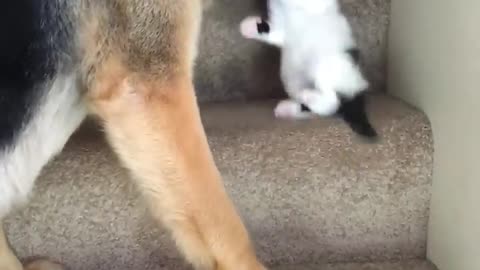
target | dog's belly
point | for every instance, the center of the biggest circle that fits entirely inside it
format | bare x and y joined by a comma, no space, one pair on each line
57,114
39,101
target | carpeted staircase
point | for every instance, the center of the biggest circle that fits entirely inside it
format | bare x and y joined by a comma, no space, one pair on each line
312,194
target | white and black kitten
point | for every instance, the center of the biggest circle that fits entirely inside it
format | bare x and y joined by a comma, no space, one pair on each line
319,65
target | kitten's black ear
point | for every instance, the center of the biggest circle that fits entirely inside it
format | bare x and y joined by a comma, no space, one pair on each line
263,27
353,112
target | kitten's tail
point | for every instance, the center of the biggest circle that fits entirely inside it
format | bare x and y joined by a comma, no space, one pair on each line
353,112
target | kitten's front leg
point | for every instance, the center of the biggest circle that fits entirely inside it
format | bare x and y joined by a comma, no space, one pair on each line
254,27
321,102
291,109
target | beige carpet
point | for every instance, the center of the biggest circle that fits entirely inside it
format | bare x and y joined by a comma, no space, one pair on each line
309,192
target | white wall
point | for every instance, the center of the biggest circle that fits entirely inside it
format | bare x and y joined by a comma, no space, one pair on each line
435,65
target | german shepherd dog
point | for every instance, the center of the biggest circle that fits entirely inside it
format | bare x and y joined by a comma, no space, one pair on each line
130,64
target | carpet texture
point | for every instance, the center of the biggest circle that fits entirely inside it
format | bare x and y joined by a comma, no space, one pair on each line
309,192
226,59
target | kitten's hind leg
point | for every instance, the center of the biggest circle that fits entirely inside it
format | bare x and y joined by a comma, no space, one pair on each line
323,103
254,27
290,109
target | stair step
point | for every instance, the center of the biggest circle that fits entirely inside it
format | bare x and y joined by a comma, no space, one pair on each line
314,191
309,191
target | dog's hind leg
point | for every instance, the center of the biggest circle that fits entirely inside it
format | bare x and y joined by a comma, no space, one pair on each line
143,93
154,125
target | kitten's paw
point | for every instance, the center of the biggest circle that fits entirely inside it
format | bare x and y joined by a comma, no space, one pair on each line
248,27
288,109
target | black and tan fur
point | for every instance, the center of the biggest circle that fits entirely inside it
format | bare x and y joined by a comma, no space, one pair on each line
130,64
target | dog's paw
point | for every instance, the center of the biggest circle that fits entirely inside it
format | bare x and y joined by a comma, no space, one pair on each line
249,26
43,264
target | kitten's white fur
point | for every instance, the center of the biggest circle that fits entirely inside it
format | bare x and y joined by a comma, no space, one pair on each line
314,37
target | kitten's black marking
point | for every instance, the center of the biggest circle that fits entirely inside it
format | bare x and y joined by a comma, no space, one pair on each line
263,27
354,53
353,112
304,108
